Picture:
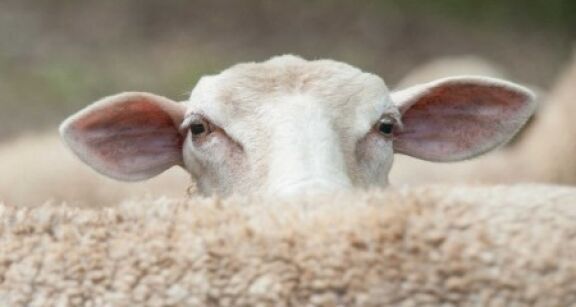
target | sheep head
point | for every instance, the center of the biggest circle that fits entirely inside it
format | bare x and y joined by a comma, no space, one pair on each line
288,125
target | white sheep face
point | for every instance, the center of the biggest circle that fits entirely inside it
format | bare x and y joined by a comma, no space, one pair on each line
287,126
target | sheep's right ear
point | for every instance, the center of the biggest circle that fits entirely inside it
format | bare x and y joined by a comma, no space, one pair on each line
458,118
129,136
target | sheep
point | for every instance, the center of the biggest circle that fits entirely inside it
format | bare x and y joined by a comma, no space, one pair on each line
425,246
49,173
555,161
288,126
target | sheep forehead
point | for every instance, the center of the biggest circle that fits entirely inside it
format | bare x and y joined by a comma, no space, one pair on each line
241,90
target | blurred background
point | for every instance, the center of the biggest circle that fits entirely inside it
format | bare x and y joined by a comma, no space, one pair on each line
57,56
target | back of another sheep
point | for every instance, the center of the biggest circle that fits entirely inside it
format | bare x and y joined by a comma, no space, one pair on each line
550,145
430,246
37,168
543,153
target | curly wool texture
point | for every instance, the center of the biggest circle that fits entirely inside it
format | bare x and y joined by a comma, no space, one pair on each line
467,245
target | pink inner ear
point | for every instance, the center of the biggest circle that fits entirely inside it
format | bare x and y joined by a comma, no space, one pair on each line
128,139
460,120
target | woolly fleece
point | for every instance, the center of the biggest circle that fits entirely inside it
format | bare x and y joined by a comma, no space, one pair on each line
427,246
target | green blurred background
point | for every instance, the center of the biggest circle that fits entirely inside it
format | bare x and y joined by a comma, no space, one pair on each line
57,56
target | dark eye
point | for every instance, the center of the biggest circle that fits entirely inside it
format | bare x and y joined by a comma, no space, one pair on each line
386,128
198,128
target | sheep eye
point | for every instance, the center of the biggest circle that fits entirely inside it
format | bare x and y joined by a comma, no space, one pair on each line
197,129
197,126
386,128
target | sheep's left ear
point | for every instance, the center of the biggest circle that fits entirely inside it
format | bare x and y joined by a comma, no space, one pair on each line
461,117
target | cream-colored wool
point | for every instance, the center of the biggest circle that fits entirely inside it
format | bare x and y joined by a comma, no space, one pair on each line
429,246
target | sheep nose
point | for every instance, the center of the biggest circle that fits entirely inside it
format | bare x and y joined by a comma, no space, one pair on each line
305,153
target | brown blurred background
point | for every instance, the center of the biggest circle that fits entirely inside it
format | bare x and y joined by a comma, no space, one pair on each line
57,56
